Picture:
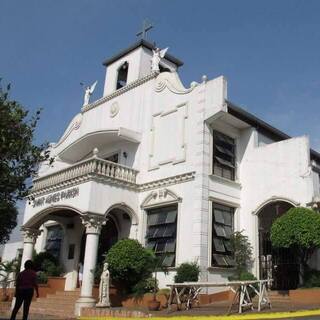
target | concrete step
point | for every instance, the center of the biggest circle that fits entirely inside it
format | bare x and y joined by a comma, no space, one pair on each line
52,305
66,296
68,293
58,298
61,304
53,312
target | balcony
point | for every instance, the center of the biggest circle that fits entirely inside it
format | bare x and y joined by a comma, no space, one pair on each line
85,170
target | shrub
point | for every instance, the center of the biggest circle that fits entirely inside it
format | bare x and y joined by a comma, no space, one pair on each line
39,258
144,286
312,278
51,269
244,276
187,272
42,277
129,263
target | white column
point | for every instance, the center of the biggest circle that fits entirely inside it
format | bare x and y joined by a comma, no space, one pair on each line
93,224
29,239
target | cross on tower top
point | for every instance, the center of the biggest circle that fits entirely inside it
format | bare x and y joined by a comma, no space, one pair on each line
146,26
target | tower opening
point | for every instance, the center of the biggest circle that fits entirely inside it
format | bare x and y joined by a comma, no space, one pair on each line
122,75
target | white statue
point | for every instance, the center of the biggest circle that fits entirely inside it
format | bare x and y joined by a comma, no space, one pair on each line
88,92
158,54
104,300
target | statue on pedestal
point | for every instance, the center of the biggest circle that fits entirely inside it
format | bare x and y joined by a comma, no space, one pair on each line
158,54
104,300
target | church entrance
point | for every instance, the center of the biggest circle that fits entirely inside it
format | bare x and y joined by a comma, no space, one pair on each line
108,237
279,264
118,225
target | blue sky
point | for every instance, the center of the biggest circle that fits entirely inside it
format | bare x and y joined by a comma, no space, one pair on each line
268,50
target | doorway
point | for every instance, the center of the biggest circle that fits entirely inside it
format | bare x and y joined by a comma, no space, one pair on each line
280,264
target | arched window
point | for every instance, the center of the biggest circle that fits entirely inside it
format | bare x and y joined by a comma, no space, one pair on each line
122,75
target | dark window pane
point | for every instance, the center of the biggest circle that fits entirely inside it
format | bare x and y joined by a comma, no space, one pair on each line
220,260
227,216
171,246
228,231
152,219
218,216
161,233
218,245
219,229
230,261
169,231
171,216
227,245
223,155
162,217
151,245
160,247
222,220
168,260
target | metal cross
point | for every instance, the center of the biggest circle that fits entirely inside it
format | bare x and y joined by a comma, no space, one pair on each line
145,28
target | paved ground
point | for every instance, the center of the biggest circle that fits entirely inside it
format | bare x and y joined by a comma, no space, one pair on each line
219,309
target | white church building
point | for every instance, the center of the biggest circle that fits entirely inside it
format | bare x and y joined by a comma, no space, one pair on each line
179,169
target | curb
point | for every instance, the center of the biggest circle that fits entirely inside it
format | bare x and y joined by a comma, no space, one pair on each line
254,316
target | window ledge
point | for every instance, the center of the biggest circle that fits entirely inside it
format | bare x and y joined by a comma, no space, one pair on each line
219,179
221,269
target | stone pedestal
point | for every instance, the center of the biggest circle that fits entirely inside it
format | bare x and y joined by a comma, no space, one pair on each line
83,302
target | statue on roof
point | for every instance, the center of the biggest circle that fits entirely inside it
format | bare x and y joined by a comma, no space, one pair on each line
158,54
88,92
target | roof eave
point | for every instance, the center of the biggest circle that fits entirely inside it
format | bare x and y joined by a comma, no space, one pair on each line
140,43
262,126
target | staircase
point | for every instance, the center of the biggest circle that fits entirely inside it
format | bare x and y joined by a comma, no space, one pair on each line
61,304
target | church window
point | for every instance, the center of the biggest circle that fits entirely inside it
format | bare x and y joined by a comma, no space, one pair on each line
222,229
223,156
54,239
122,75
162,232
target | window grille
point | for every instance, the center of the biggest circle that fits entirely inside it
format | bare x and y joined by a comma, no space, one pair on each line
161,233
222,229
223,156
53,241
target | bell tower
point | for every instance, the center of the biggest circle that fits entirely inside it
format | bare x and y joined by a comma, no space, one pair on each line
132,64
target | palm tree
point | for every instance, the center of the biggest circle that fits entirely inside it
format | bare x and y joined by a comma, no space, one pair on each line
6,269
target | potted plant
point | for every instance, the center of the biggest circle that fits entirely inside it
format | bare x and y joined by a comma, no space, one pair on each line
154,304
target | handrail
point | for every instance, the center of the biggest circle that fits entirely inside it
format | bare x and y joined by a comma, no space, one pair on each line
92,166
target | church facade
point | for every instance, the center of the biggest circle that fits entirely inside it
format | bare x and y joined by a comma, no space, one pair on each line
179,169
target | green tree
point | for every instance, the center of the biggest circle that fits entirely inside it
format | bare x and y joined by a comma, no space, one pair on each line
19,158
129,263
242,253
298,229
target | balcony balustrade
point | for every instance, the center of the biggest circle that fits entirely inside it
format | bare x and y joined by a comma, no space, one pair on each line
93,167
